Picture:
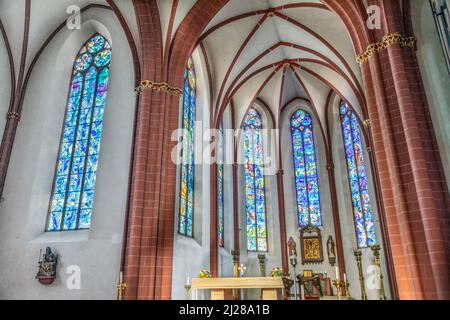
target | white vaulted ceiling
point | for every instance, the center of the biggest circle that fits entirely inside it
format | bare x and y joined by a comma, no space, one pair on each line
304,33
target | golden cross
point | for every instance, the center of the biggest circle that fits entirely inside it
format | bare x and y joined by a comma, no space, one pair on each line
120,287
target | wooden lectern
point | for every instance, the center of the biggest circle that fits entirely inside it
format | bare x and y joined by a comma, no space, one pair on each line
222,288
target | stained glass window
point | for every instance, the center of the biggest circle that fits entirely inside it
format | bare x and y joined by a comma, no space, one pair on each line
305,166
254,182
220,201
365,229
187,166
74,184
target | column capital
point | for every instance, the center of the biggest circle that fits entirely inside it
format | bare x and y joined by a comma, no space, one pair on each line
13,116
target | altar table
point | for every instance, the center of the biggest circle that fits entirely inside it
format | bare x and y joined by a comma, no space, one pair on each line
222,288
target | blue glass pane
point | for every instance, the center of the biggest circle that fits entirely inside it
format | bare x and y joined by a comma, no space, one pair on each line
63,166
96,43
89,182
72,201
85,219
87,201
58,201
75,182
98,114
54,223
78,165
96,131
83,131
70,219
92,163
71,119
103,58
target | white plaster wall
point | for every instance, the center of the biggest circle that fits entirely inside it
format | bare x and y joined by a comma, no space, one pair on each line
23,213
435,76
346,211
292,228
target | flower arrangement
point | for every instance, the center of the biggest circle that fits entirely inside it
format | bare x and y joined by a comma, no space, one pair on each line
277,273
204,274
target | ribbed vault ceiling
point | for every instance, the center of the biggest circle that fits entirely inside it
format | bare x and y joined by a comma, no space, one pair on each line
277,50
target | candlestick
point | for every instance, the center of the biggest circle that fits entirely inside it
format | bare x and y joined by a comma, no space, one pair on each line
358,255
376,254
120,287
235,254
345,284
188,289
337,284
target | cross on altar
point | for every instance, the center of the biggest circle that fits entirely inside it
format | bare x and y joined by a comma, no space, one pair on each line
120,287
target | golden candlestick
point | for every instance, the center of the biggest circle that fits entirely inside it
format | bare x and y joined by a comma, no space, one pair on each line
187,287
235,254
376,253
345,284
358,255
337,284
121,286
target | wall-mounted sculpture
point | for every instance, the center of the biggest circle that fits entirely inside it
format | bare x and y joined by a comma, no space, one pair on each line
47,267
331,251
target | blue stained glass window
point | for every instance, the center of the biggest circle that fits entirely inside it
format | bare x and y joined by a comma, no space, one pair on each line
73,191
362,210
220,201
305,166
255,205
187,167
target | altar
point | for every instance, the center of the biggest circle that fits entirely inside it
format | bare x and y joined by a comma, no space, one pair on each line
222,288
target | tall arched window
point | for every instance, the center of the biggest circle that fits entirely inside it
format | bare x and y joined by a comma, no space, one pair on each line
187,166
306,179
254,182
220,201
365,229
74,183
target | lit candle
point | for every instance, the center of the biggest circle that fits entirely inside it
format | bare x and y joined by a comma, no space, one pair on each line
345,278
188,281
121,277
337,272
